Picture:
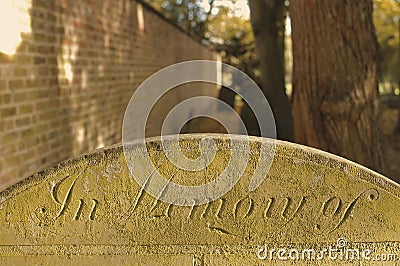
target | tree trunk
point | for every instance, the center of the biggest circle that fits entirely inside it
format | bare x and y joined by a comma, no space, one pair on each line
335,87
398,82
267,16
397,129
397,132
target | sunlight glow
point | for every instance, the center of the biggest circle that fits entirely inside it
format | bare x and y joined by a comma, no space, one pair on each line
68,72
80,136
84,79
219,71
70,49
140,16
288,26
240,8
14,20
100,142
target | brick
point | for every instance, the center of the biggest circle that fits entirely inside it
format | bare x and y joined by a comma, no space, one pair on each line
25,96
28,133
7,112
52,60
42,3
40,108
23,59
3,85
8,175
22,122
42,149
26,37
56,144
28,154
39,37
8,149
53,135
44,49
43,105
5,98
51,38
8,124
44,71
20,72
9,137
25,109
48,93
16,84
46,116
5,58
38,82
39,60
51,17
12,161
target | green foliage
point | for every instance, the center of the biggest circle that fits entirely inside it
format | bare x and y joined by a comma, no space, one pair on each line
188,14
233,37
387,24
217,27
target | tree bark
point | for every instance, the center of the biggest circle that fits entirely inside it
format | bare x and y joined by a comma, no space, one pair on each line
398,83
335,88
267,16
397,132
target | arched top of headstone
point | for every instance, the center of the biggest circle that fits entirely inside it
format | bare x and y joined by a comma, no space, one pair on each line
92,205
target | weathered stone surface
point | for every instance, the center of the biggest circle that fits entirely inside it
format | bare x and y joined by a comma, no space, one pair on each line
90,209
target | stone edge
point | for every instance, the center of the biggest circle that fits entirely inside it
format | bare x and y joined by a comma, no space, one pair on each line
283,148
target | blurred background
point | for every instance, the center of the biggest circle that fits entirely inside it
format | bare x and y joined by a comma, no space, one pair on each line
329,69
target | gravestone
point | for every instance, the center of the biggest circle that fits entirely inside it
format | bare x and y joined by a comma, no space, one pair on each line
312,207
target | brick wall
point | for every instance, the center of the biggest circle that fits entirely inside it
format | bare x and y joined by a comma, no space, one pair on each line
64,90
